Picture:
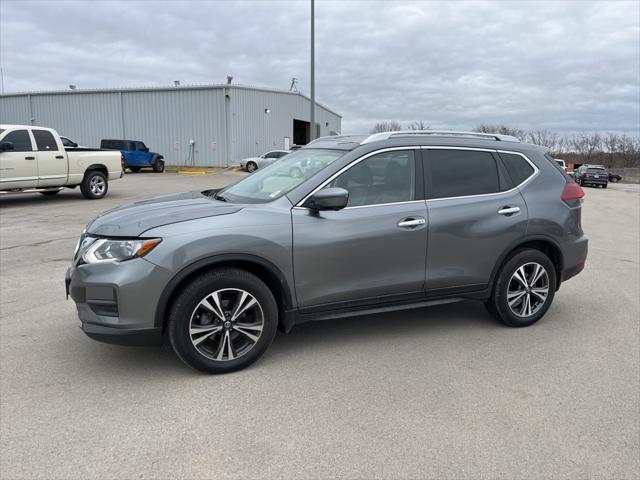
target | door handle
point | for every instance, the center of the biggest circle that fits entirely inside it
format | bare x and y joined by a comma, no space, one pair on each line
508,210
59,157
411,222
29,158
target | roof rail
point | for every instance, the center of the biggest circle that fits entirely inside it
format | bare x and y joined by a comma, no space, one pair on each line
439,133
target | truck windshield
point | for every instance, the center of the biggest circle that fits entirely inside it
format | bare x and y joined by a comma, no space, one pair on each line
279,178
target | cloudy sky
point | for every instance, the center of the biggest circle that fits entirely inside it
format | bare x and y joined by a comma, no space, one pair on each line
566,66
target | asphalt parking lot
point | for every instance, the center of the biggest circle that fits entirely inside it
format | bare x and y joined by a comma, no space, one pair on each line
443,392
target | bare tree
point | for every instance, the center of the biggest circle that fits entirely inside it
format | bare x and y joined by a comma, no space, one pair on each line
501,129
391,126
586,144
418,125
629,149
545,138
611,142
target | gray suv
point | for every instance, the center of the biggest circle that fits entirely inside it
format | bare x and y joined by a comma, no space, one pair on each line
367,224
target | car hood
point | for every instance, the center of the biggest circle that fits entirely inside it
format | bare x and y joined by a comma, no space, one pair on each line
134,219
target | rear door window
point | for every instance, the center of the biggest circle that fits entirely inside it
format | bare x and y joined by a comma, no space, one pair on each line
460,173
20,139
45,141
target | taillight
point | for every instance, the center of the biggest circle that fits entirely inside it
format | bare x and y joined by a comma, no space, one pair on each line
572,191
122,161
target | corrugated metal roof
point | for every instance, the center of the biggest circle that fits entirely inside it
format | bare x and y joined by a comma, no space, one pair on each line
167,88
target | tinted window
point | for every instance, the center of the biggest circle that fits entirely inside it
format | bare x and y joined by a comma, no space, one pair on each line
45,140
114,144
519,169
20,139
140,146
457,173
272,155
384,178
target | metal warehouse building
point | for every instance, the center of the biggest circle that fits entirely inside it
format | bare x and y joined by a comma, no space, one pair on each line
208,125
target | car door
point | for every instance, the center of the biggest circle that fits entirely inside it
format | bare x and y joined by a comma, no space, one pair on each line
372,251
18,166
475,214
51,158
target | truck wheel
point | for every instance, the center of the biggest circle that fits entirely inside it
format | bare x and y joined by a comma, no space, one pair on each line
94,185
134,169
158,166
222,321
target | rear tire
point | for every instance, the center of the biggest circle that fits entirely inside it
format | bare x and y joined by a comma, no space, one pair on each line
604,186
202,324
515,304
94,185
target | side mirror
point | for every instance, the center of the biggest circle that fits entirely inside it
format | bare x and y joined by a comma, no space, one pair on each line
74,145
328,199
4,146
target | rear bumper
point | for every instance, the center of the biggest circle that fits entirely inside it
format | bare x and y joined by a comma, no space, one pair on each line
575,257
595,181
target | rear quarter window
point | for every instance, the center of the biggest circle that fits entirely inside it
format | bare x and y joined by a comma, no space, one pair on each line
517,167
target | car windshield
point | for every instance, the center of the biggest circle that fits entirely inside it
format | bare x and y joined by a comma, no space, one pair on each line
279,178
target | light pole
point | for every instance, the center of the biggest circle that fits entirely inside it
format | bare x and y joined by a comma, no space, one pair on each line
313,74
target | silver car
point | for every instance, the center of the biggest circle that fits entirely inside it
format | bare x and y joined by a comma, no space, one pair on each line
252,164
370,224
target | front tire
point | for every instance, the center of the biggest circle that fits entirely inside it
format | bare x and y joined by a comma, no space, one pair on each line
158,166
222,321
251,167
524,288
94,185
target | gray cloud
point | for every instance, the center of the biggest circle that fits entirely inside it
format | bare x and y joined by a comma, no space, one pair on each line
564,66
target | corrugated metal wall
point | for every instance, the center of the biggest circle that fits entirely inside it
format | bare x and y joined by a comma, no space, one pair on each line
167,119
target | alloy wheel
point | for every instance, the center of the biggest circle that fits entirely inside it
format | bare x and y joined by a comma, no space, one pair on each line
226,324
97,185
528,289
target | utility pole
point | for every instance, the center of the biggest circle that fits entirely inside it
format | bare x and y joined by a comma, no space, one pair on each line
313,73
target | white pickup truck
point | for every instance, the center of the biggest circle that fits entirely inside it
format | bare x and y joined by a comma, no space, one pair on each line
33,159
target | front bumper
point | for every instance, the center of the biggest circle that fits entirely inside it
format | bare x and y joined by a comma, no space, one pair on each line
116,302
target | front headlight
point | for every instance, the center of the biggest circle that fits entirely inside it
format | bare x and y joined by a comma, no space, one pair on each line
108,250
